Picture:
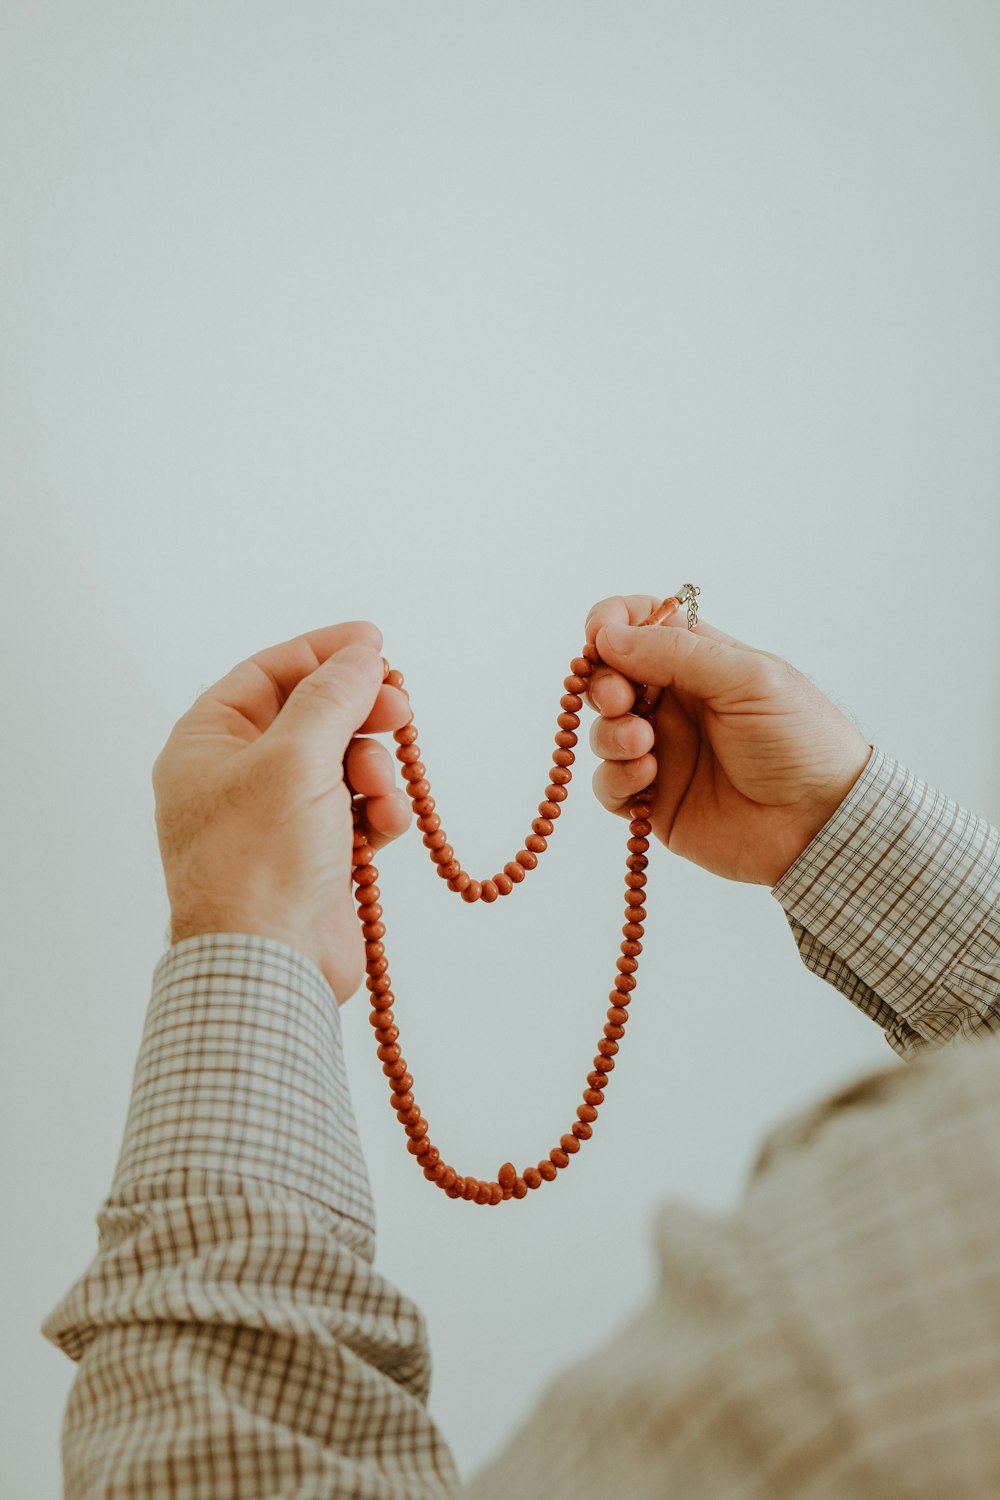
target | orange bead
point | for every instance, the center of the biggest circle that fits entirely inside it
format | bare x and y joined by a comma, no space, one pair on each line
542,826
532,1177
460,882
586,1112
507,1175
423,806
571,702
569,1144
443,855
429,824
393,678
560,776
626,965
408,754
593,1096
549,810
606,1049
556,793
435,841
520,1188
617,1015
536,843
640,810
625,982
503,883
374,950
547,1170
633,930
639,827
563,757
637,862
638,846
603,1064
483,1193
613,1031
525,859
514,871
419,790
580,666
635,880
558,1157
401,1101
472,891
565,739
406,735
582,1131
496,1193
568,721
414,772
574,684
631,949
488,891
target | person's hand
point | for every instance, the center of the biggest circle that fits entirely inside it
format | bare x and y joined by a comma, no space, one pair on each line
749,758
254,796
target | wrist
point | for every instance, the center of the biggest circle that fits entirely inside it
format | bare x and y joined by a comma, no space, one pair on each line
821,809
194,923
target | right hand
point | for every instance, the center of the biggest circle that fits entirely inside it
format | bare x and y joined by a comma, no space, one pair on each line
749,758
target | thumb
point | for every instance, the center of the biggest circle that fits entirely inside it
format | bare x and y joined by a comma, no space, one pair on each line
334,700
662,656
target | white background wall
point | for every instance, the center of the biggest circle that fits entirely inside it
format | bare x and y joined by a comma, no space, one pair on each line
460,317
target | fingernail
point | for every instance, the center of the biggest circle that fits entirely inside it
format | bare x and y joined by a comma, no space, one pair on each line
620,638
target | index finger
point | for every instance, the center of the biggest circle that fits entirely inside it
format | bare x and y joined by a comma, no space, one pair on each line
608,692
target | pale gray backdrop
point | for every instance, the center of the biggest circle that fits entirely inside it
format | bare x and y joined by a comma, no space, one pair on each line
460,317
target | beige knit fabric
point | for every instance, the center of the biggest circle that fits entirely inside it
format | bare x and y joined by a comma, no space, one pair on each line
838,1335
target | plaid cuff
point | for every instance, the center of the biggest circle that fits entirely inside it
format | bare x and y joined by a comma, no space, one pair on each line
897,902
240,1075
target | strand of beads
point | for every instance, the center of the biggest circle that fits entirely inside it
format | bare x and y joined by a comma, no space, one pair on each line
509,1183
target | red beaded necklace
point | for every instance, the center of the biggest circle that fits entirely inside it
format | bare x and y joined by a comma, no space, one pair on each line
509,1183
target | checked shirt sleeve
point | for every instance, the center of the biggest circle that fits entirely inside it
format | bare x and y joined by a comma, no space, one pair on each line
896,902
233,1336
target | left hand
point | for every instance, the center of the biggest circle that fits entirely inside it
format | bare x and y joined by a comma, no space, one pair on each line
254,796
